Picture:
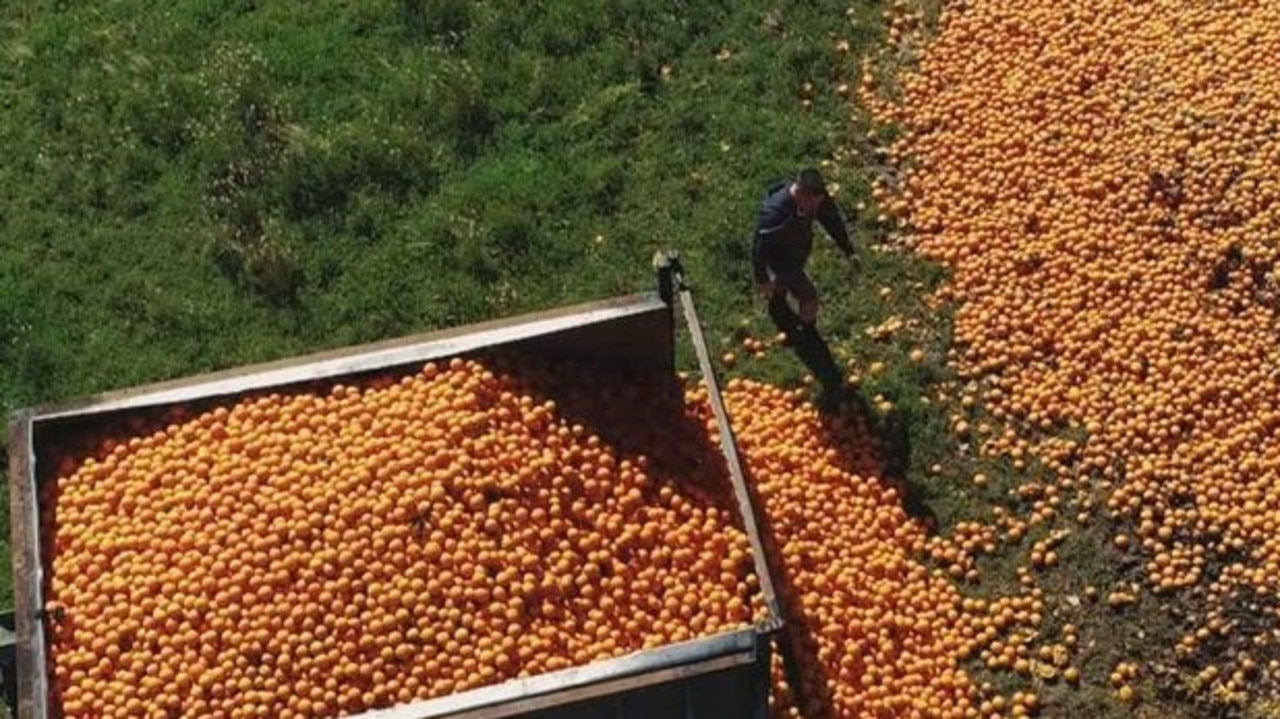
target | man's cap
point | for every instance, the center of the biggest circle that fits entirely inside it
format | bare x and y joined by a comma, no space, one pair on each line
810,180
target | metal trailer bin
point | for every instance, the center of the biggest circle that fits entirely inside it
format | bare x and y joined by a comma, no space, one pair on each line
724,676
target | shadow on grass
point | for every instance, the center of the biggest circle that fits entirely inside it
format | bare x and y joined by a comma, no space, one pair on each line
891,432
812,351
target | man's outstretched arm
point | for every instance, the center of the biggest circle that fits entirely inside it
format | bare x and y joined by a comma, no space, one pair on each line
833,222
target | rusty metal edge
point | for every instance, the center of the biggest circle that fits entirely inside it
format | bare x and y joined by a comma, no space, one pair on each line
545,691
354,359
737,475
595,691
775,624
24,503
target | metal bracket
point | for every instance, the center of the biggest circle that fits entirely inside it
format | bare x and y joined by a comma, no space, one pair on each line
670,274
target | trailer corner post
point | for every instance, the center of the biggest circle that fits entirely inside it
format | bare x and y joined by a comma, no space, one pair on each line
667,264
24,504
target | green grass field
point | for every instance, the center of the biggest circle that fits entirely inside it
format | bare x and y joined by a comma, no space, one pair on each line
196,186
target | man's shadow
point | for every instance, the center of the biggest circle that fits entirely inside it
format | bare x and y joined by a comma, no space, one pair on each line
891,431
814,353
891,434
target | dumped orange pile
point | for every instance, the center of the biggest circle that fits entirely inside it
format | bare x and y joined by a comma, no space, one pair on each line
1102,178
323,553
881,634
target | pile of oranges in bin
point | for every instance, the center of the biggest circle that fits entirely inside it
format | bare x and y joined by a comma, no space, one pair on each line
321,553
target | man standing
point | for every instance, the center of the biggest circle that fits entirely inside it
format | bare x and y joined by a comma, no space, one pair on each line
783,241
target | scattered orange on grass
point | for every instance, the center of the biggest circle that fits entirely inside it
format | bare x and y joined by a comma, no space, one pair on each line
1102,181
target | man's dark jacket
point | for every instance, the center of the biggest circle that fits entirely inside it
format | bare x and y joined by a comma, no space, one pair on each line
784,239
